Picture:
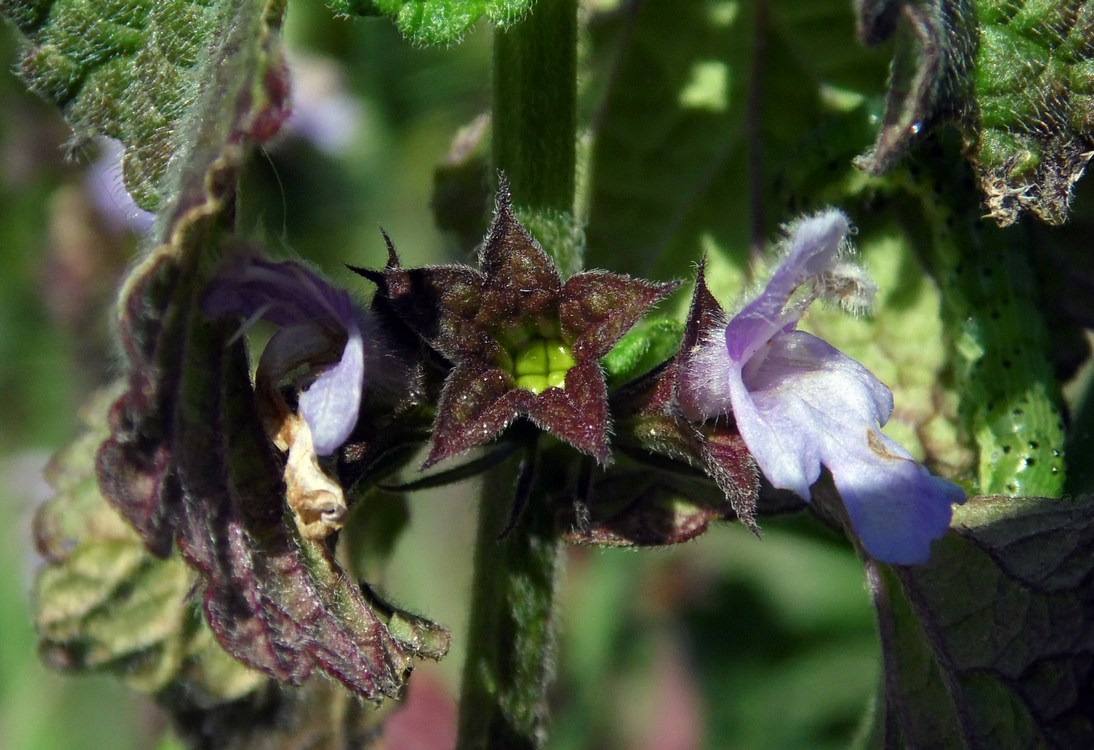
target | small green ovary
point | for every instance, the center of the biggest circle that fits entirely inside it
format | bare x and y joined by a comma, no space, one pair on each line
541,364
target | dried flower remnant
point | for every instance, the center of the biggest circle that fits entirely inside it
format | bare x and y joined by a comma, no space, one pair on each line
321,337
522,342
799,403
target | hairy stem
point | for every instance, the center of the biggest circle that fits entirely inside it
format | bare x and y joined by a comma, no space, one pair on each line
535,123
510,660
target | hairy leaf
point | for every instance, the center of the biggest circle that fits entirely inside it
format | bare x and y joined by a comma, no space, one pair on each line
104,603
652,341
1035,95
158,301
187,459
318,716
992,643
427,22
935,45
644,509
1015,76
131,70
275,600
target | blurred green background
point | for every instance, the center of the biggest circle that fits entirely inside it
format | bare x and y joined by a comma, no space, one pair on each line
727,642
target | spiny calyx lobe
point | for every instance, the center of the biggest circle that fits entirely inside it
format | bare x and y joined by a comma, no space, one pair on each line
521,341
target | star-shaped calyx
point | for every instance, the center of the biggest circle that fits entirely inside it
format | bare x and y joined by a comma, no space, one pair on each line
521,342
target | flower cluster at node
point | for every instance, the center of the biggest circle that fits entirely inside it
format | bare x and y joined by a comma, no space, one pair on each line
522,342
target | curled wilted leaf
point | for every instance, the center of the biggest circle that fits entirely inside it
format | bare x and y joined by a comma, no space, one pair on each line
188,459
1015,78
104,603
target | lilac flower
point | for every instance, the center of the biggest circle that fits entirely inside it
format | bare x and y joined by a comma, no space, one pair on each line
323,112
799,403
320,332
103,184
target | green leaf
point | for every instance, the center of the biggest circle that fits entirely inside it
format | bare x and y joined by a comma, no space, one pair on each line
1034,90
127,69
430,22
990,644
652,341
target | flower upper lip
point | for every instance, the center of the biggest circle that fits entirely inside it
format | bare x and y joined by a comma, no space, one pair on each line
320,330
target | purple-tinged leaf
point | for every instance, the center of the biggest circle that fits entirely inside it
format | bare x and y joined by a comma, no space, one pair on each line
275,600
643,509
103,603
134,464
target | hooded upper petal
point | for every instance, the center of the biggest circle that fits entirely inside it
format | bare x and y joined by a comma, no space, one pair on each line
320,331
813,249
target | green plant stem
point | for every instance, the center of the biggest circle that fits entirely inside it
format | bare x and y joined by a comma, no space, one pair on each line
511,643
510,660
535,124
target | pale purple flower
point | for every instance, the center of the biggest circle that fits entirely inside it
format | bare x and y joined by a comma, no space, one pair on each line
323,111
104,185
320,333
801,404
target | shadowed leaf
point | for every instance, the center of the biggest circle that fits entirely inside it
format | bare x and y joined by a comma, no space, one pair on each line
991,644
